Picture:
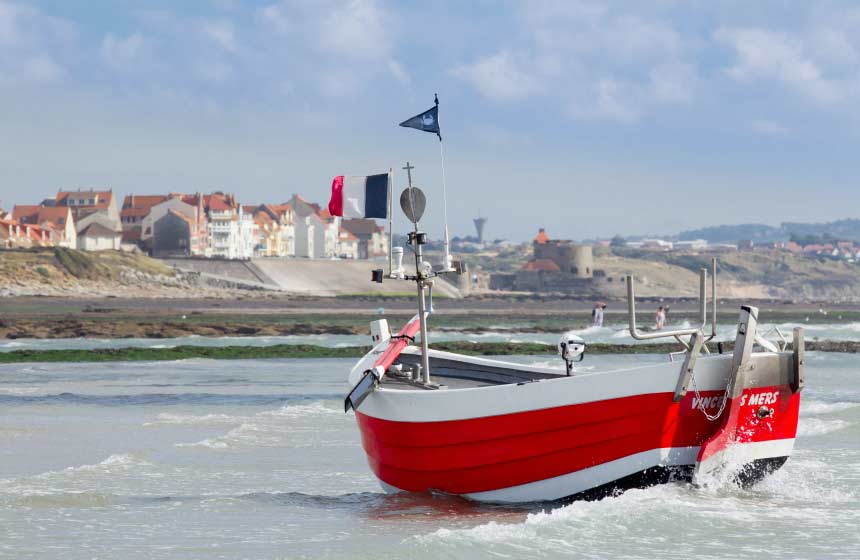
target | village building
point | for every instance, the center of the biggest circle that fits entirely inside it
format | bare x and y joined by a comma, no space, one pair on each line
15,235
95,235
135,209
372,240
58,222
90,207
276,230
228,234
347,245
316,229
86,203
189,206
174,235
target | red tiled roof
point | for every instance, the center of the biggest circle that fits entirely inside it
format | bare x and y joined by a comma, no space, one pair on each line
102,198
51,217
218,203
541,237
142,204
541,264
24,211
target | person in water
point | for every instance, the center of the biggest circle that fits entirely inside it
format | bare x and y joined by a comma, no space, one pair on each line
597,315
660,319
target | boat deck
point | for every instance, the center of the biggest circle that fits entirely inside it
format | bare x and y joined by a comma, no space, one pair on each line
456,374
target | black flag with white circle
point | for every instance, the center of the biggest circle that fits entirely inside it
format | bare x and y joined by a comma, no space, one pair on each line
428,121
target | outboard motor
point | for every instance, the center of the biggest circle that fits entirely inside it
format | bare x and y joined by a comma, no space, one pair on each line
571,348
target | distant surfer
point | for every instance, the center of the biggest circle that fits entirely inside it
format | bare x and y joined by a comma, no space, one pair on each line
660,319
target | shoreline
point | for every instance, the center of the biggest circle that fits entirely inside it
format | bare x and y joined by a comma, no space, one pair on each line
312,351
53,318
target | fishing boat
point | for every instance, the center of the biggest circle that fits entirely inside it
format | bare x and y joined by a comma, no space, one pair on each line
502,432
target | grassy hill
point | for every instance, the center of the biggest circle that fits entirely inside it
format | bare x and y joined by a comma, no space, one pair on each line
61,271
770,273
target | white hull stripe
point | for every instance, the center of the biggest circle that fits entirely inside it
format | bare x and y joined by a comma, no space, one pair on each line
569,484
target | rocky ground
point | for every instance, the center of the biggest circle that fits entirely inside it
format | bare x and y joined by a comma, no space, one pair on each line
70,327
68,273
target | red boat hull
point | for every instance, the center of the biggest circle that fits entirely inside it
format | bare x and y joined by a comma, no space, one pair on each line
478,457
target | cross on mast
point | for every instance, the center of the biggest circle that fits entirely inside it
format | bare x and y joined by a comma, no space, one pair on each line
408,170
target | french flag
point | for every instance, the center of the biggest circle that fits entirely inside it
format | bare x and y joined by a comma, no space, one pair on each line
359,197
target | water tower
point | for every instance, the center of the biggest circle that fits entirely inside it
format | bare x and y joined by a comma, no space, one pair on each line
479,227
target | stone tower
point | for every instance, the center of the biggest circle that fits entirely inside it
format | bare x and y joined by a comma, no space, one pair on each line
479,227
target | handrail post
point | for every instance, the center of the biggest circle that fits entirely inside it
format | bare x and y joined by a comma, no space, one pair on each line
631,312
714,297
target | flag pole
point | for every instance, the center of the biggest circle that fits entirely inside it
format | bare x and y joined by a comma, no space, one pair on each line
390,222
447,257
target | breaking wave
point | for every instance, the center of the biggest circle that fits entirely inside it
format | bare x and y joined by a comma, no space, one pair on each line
264,429
816,408
819,426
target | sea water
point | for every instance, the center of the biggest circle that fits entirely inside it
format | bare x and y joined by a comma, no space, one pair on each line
256,459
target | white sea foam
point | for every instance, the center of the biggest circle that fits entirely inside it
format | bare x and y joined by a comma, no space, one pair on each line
58,481
264,429
245,435
114,463
22,391
315,408
819,426
815,408
193,420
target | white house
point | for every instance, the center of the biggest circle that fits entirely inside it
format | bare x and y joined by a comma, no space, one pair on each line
305,235
313,222
96,236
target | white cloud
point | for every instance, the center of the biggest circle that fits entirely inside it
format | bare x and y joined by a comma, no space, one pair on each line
355,29
273,16
222,33
399,73
120,52
766,54
595,64
768,127
501,76
672,83
608,99
40,69
214,71
339,45
32,45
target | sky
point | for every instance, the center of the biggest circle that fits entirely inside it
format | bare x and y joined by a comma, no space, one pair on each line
589,119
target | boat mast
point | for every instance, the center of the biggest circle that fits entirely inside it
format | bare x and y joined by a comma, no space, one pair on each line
417,239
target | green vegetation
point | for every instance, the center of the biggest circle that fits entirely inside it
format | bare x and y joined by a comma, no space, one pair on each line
43,271
80,265
311,351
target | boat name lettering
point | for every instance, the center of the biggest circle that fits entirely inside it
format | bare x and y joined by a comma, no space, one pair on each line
706,402
760,399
